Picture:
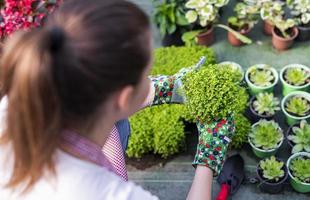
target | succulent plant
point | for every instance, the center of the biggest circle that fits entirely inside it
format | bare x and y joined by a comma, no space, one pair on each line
266,103
296,76
300,169
266,134
261,77
301,10
272,169
301,137
298,105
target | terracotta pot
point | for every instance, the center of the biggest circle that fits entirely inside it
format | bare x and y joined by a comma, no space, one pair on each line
281,43
268,28
235,41
206,38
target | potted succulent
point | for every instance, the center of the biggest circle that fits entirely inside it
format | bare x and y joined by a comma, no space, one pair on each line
283,33
245,19
234,66
261,78
298,136
204,14
265,138
295,77
264,105
272,174
269,11
301,10
299,171
169,17
296,107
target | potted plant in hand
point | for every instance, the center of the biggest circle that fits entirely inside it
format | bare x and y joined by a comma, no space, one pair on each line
242,23
234,66
295,77
261,78
296,107
272,174
169,17
264,105
284,33
301,10
298,136
265,138
299,171
269,11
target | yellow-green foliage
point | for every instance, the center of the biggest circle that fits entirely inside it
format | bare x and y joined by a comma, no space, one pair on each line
160,129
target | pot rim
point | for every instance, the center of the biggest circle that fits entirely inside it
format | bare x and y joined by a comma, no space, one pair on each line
301,93
262,150
295,29
277,183
292,66
253,110
261,66
235,65
289,162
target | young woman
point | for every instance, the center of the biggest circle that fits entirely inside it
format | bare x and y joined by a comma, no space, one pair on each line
66,86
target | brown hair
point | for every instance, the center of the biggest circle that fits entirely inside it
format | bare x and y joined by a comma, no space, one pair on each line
64,71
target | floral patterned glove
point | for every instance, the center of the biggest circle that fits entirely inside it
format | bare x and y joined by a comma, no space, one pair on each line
214,138
167,88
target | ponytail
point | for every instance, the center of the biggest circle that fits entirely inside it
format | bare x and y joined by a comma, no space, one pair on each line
33,113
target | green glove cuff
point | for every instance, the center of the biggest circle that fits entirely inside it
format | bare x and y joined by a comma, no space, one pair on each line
214,138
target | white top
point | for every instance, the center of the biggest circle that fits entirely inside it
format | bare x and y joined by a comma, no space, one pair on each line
76,180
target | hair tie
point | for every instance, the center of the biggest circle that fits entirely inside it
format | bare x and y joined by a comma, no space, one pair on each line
57,37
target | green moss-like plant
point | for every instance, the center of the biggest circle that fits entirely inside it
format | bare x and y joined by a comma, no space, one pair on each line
214,92
266,135
272,169
300,169
301,137
160,129
243,127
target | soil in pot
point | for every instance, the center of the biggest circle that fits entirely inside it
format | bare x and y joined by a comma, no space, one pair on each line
233,40
304,32
206,38
254,116
281,43
268,28
174,39
271,186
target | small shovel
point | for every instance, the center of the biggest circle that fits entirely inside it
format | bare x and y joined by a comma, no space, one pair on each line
231,176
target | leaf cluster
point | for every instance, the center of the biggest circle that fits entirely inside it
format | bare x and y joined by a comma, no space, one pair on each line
272,169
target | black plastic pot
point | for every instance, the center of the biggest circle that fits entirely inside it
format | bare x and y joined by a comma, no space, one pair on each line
175,39
304,33
271,187
254,116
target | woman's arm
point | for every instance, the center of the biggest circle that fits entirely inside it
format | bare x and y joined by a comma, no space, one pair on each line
202,184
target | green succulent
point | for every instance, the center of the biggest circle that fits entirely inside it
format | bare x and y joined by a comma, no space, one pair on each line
266,103
261,77
300,169
296,76
266,135
272,169
298,105
243,127
301,137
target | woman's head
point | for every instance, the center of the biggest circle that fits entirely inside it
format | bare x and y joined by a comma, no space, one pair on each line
92,57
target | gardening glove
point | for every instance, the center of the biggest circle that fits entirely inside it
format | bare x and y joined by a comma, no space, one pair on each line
167,88
214,138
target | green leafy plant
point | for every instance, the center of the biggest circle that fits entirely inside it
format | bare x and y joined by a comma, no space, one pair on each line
284,26
298,105
233,67
301,10
214,92
266,103
243,127
296,76
266,135
301,137
272,169
246,17
160,129
300,169
271,10
262,77
169,15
